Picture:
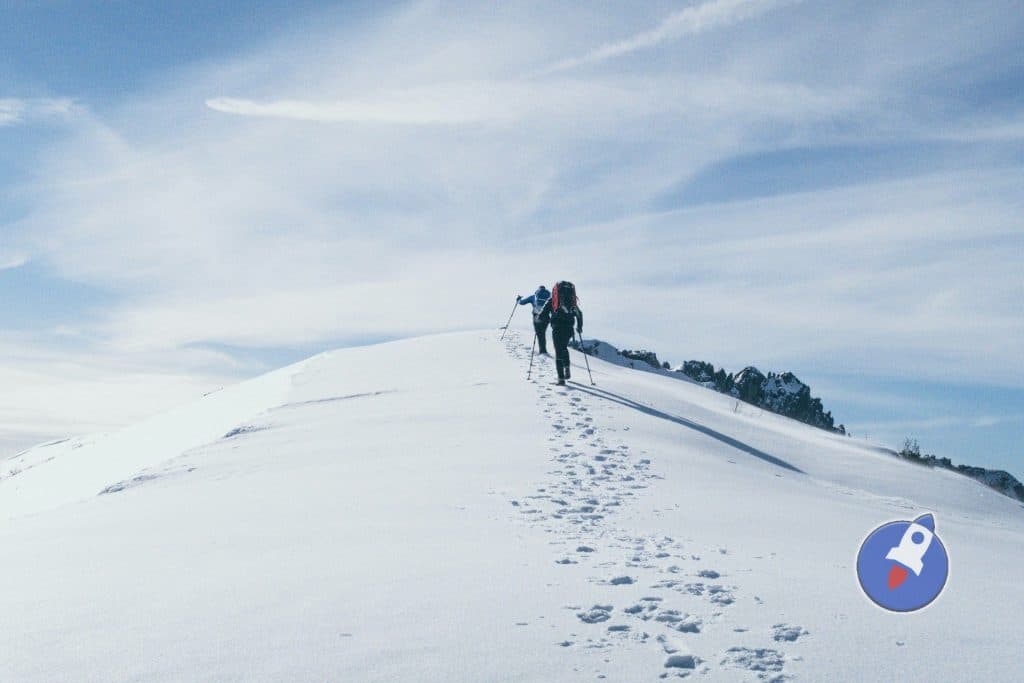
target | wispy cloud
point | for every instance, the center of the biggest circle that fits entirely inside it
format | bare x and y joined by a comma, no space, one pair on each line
691,20
994,420
15,111
558,101
9,260
909,425
986,131
437,105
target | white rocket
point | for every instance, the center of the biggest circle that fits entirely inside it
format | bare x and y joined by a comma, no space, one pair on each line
910,552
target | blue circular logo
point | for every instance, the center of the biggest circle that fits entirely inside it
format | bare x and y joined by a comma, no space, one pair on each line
903,566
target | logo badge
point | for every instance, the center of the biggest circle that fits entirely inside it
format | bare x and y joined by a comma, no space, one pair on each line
903,566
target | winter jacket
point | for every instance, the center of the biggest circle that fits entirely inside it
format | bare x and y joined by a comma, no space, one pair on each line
538,299
562,319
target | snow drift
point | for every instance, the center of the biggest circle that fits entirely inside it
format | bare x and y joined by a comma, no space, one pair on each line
418,511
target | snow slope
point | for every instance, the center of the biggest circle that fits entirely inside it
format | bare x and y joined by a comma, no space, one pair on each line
417,511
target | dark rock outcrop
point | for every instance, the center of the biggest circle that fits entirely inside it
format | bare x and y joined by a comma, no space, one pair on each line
999,480
748,385
698,371
649,357
783,394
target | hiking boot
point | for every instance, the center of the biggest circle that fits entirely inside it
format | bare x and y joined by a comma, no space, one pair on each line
568,375
560,382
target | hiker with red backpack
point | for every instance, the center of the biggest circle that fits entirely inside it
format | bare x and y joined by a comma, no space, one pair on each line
563,310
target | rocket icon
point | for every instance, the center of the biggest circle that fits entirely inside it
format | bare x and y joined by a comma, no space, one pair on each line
903,565
909,554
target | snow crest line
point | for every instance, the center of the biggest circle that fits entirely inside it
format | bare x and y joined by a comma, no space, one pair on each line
331,399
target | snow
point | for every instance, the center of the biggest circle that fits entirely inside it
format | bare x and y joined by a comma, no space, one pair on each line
418,511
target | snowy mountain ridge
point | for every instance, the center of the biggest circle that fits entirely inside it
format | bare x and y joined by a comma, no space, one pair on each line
418,510
784,394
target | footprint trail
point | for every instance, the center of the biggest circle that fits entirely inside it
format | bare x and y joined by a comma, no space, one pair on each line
658,594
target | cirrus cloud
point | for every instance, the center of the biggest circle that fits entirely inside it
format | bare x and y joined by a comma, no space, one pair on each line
14,111
690,20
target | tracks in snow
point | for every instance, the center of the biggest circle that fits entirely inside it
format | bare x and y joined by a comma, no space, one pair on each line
657,593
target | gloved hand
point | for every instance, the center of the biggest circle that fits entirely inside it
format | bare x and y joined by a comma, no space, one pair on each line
579,330
518,298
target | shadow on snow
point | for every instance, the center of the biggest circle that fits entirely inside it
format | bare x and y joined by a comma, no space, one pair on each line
696,426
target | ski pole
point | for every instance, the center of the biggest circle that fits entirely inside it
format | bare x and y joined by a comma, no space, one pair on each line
587,361
514,307
532,347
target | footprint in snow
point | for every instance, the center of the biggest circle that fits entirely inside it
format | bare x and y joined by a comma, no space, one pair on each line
682,662
787,632
720,595
762,661
596,614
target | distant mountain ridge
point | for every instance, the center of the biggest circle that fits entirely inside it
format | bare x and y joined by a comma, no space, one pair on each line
783,394
1000,480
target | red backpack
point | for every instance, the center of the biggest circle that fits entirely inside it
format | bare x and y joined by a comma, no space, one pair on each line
563,296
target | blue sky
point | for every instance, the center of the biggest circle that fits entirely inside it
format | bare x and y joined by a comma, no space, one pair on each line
192,193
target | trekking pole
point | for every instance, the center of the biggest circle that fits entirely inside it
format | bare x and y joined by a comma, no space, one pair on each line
587,361
532,347
514,307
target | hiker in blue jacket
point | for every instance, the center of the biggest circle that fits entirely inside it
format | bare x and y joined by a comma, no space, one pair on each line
541,316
